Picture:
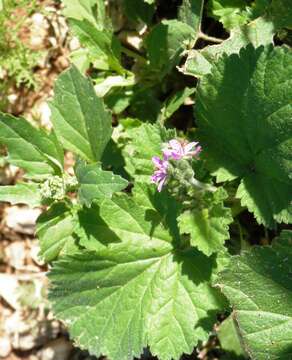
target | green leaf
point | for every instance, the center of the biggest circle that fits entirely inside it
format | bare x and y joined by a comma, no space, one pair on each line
144,104
190,12
96,183
22,193
90,10
145,142
80,119
208,226
280,12
141,10
113,159
89,22
230,13
174,102
55,229
37,152
80,58
258,32
235,13
103,87
118,99
118,301
166,44
246,127
92,231
119,218
259,287
229,339
164,208
256,24
104,48
197,64
130,293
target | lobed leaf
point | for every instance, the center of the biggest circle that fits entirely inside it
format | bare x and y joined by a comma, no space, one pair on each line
245,128
120,219
130,292
163,207
259,286
258,32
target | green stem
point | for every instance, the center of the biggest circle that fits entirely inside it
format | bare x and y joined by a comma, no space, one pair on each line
133,54
209,38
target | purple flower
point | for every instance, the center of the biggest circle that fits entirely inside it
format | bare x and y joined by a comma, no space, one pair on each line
160,173
181,149
174,150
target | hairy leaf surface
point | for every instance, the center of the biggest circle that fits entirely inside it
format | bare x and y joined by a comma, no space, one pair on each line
258,32
131,292
160,207
120,218
259,286
245,121
229,339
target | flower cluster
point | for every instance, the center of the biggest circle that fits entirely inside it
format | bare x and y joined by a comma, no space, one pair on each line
174,150
53,188
56,187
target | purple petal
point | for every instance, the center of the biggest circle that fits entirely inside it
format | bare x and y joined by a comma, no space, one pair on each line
160,184
198,150
188,147
175,145
157,161
176,156
154,179
167,154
